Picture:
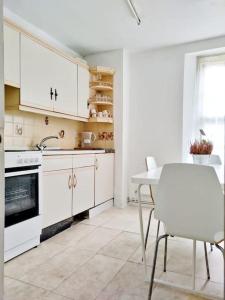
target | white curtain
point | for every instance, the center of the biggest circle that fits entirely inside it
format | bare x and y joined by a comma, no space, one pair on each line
210,104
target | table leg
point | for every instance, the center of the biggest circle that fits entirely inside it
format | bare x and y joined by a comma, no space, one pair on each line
194,265
142,230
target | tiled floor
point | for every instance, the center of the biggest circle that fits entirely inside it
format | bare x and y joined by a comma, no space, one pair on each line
101,259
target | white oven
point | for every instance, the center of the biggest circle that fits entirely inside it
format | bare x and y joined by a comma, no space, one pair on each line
23,204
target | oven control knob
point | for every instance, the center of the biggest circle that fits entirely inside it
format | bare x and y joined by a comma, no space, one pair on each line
31,160
25,160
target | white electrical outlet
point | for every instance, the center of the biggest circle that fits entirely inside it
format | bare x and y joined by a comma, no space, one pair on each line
18,129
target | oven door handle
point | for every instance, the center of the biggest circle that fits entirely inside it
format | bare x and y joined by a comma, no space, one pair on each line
19,173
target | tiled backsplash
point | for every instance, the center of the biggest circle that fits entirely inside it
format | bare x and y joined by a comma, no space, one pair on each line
23,130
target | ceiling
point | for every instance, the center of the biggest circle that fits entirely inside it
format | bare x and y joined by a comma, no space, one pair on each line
89,26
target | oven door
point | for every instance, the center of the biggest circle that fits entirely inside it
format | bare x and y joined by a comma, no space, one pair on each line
21,195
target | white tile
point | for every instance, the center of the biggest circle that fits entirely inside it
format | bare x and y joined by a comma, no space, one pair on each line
122,246
8,130
17,290
53,271
17,267
88,281
98,238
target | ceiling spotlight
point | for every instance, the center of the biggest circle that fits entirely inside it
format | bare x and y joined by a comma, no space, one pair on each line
134,11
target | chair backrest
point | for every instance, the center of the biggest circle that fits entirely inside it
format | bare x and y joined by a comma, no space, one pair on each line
189,201
150,163
215,160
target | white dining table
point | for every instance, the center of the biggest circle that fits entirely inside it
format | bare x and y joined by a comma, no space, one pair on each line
152,178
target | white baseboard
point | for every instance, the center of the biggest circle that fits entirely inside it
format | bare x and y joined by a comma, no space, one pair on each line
100,208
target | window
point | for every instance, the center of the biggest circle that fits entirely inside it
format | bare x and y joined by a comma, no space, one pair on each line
210,108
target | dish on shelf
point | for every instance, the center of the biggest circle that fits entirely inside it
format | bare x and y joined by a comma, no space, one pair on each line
101,120
107,100
101,83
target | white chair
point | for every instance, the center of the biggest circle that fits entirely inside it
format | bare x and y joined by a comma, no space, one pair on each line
150,165
190,204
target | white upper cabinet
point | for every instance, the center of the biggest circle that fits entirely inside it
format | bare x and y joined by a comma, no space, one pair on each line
65,86
11,56
83,92
36,75
48,81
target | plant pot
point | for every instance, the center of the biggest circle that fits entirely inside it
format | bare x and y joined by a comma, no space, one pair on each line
201,159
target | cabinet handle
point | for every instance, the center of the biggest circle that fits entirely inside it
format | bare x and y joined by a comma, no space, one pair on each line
74,180
51,93
96,164
69,182
56,94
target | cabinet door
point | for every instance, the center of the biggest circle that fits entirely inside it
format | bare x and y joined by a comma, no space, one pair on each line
36,74
11,56
104,178
83,92
83,193
65,84
57,196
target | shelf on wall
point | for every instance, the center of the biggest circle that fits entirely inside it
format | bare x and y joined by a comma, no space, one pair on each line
101,103
101,120
101,88
101,70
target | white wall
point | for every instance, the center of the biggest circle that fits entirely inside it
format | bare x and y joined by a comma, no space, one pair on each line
2,199
156,104
118,60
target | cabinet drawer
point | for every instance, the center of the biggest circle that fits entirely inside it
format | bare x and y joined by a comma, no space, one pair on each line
84,160
52,163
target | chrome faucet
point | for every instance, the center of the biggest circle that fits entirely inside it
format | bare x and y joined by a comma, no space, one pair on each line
41,146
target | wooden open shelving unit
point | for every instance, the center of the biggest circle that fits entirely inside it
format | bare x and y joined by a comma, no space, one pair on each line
101,93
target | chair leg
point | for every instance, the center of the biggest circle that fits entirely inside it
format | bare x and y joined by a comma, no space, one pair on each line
154,265
148,228
206,261
157,234
220,248
211,247
165,255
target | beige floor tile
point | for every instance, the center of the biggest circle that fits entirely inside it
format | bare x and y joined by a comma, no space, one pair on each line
18,266
53,296
102,218
91,278
122,246
167,293
129,281
98,238
50,274
137,255
73,235
209,287
17,290
179,258
120,295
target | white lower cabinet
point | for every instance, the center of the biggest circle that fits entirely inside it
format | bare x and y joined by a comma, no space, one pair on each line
83,192
57,196
73,184
104,178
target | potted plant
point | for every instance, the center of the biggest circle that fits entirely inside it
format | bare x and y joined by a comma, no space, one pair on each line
201,150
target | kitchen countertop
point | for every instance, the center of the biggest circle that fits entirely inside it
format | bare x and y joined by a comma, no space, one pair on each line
71,152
